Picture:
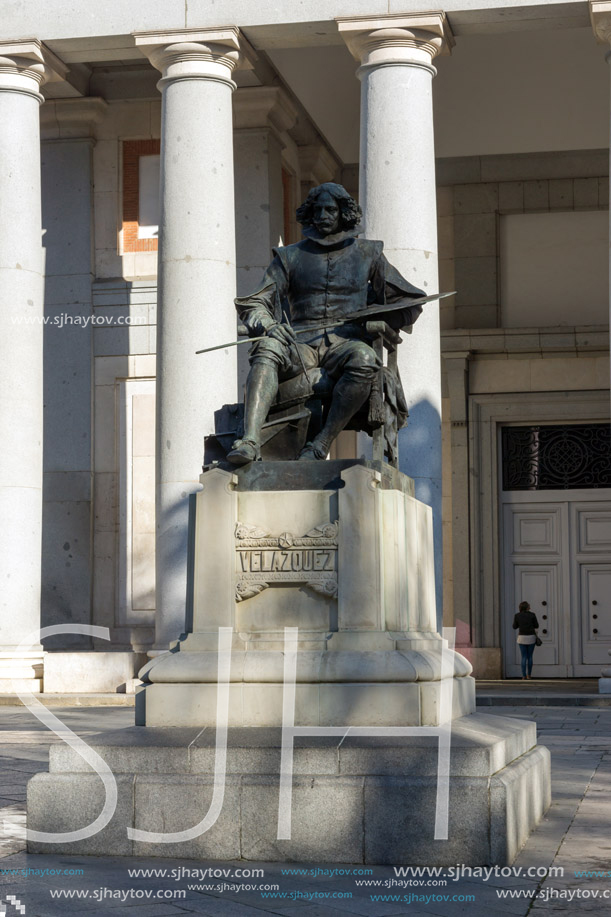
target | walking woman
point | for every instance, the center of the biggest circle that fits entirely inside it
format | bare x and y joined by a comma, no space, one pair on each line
525,622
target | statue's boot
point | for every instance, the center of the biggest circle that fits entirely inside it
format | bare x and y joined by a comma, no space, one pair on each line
261,389
348,396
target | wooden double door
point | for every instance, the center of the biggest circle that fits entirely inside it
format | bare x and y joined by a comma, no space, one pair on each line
556,555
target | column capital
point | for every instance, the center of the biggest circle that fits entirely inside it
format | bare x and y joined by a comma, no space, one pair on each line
70,119
412,39
263,107
600,17
26,65
192,54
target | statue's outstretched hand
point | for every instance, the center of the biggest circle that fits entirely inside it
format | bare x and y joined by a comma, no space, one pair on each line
281,332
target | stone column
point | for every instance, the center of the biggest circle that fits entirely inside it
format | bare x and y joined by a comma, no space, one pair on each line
600,16
24,67
196,283
398,197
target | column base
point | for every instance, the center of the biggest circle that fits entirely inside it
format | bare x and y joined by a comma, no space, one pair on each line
21,672
356,800
91,673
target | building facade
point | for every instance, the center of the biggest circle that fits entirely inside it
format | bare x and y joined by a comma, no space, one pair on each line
150,158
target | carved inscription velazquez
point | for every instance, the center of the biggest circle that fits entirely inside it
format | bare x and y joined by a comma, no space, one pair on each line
263,559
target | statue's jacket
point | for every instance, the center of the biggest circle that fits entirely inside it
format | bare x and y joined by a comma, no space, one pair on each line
323,279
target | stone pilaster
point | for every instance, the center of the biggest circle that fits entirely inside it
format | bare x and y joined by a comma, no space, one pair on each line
68,136
600,16
316,165
457,369
398,197
24,67
261,117
196,284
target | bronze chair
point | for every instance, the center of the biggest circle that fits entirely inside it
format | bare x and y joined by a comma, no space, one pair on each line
298,413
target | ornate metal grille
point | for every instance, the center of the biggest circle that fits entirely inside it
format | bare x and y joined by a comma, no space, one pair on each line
556,457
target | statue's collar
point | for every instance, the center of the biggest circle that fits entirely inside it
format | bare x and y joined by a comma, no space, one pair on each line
335,239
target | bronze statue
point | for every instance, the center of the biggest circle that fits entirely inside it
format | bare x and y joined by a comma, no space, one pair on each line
327,277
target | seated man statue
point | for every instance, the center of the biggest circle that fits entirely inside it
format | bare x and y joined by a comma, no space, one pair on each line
325,278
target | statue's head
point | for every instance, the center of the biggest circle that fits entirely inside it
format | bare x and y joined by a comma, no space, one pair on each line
329,208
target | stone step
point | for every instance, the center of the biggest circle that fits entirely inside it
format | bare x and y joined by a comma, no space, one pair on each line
543,700
353,800
481,745
72,700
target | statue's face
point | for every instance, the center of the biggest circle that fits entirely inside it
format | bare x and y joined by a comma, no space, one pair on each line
326,214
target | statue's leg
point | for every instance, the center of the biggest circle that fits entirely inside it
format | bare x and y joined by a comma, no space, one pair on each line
261,389
356,364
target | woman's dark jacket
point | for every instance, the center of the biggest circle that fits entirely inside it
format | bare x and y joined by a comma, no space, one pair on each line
526,621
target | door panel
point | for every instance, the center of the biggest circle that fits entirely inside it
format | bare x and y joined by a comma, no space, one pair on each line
535,532
591,575
596,613
539,587
594,529
535,545
557,557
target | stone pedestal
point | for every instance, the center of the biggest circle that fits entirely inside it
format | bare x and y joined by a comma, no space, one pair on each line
344,552
320,578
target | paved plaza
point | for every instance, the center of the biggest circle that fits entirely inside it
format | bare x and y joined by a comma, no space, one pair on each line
564,855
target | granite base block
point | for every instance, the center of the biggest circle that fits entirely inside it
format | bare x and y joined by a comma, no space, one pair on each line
354,799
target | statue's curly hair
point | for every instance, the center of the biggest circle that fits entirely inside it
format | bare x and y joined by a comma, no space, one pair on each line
350,212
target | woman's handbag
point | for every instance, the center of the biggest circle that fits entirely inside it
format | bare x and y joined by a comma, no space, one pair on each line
538,640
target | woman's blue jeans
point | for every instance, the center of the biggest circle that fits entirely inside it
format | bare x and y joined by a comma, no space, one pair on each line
527,650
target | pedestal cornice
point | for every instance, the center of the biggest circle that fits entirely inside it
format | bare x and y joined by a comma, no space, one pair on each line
187,54
26,65
410,39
